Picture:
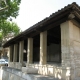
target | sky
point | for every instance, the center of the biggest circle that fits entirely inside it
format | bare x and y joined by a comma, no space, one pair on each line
33,11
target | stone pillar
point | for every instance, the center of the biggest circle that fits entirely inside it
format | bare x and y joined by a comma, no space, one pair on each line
30,51
3,52
21,47
43,47
10,54
67,43
15,52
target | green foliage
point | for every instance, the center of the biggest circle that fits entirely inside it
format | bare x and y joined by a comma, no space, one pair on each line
10,8
0,36
7,27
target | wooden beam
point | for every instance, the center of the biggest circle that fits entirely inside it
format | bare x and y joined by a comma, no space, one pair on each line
54,24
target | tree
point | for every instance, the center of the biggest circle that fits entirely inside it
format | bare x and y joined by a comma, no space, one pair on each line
8,30
9,8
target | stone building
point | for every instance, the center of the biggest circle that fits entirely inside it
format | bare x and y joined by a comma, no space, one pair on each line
52,46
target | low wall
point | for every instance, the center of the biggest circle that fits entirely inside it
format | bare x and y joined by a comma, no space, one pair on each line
9,73
65,73
16,65
76,73
57,71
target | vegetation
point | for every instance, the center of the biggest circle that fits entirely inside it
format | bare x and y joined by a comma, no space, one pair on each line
8,9
8,29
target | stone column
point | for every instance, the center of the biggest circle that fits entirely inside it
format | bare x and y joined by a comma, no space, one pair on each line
67,43
21,47
30,51
3,52
10,54
15,52
43,47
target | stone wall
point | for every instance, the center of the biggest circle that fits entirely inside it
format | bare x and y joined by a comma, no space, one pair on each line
76,51
16,65
76,45
54,70
16,74
70,44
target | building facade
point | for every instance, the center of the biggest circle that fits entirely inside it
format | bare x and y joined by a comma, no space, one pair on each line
52,46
